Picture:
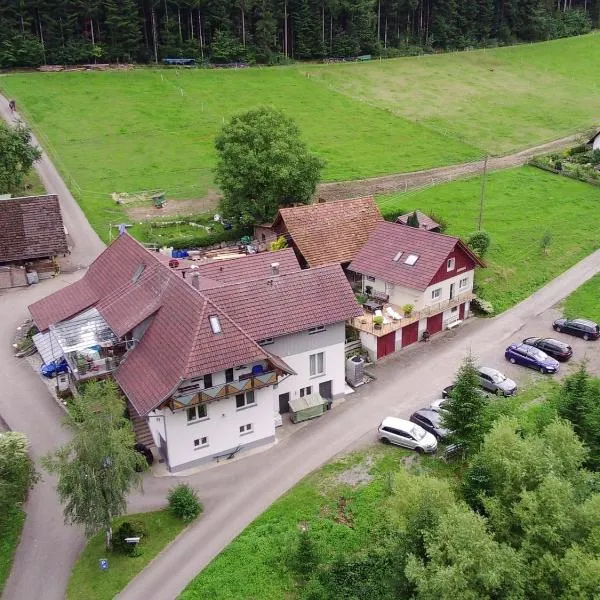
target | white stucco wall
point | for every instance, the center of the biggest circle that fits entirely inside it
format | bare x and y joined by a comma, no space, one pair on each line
296,349
221,427
369,343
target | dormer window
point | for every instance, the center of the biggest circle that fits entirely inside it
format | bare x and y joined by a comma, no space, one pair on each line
215,324
398,256
411,259
450,264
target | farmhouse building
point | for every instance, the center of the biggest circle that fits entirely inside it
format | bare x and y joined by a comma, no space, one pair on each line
328,232
407,268
208,358
33,235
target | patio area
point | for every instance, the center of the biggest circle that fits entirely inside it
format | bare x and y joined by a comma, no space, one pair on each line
365,323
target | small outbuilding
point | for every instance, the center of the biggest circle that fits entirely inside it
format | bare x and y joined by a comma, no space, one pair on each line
425,222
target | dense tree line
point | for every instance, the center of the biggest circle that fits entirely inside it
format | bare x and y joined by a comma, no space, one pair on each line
36,32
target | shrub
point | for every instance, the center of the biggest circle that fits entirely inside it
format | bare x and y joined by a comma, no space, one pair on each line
408,308
184,503
17,472
377,320
479,242
195,240
439,220
482,306
128,529
279,244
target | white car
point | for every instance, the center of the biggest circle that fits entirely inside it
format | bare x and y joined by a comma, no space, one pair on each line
406,434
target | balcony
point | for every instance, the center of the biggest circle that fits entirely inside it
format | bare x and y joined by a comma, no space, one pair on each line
83,368
225,390
365,323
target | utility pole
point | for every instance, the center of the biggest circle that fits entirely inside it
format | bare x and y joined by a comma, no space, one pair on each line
485,162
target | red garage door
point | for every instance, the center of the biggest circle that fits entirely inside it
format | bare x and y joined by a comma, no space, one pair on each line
434,324
410,334
386,344
461,311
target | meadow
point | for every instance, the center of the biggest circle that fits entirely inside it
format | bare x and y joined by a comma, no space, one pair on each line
520,206
583,302
149,129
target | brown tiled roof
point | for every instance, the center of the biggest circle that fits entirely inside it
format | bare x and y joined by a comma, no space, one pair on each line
272,307
251,266
376,258
425,221
31,228
330,232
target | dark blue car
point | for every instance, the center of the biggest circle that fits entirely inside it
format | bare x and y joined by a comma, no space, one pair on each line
529,356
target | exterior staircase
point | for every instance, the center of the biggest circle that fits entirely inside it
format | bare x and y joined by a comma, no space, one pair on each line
141,430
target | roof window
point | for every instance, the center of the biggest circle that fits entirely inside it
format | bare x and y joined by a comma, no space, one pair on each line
138,272
215,324
411,259
397,257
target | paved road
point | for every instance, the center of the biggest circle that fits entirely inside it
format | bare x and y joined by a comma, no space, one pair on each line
235,494
48,548
400,182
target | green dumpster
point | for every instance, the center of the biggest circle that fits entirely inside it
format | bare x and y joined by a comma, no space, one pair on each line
307,407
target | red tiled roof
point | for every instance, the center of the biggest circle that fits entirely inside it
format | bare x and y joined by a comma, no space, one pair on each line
31,228
272,307
251,266
376,258
425,221
330,232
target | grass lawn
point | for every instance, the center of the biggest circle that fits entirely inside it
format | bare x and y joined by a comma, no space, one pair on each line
9,540
584,302
147,129
520,205
88,582
497,100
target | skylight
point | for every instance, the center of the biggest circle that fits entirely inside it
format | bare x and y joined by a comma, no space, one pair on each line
138,272
411,259
397,257
215,324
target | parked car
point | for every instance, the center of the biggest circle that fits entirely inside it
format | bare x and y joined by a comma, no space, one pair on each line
431,421
447,391
406,434
494,381
532,357
588,330
554,348
438,405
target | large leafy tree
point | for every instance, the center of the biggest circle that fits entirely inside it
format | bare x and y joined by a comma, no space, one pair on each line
464,413
263,164
17,155
99,466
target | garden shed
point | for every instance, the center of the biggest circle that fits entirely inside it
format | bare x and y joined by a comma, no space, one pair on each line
307,407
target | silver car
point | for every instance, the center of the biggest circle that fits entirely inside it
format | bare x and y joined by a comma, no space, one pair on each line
406,434
494,381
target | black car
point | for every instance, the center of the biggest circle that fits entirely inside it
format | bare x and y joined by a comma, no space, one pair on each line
554,348
447,391
583,328
430,421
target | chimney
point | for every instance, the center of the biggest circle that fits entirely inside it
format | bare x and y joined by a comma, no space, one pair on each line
275,269
195,277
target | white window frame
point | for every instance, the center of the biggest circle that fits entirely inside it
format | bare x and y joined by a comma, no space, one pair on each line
450,264
197,416
202,442
249,400
246,429
370,279
463,283
436,293
215,324
313,363
306,391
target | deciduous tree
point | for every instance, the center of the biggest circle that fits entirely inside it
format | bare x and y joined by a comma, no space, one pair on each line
17,155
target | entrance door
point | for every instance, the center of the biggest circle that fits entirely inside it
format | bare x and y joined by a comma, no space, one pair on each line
410,334
461,311
386,344
325,390
163,450
434,324
284,403
452,285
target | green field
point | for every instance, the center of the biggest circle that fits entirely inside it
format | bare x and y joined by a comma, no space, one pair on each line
584,302
520,206
88,582
150,129
497,100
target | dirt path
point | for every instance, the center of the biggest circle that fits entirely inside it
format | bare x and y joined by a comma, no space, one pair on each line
402,182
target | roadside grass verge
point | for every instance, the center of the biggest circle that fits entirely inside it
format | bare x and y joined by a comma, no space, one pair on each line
584,302
149,129
89,582
520,206
10,534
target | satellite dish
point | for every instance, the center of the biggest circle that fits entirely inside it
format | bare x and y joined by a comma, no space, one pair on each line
217,217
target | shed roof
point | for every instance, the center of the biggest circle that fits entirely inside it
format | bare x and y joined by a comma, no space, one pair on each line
32,227
330,232
425,221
